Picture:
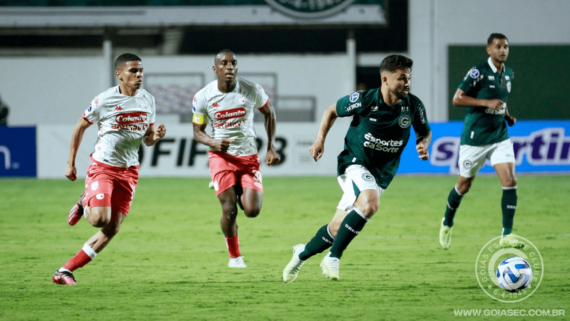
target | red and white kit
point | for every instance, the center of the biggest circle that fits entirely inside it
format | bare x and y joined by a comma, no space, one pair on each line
231,117
122,120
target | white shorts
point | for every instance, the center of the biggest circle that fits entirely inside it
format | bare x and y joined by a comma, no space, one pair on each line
355,179
472,158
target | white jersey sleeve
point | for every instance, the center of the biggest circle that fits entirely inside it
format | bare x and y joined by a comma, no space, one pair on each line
152,116
261,97
92,114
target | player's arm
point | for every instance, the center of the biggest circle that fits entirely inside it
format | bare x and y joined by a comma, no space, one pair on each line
461,99
511,121
318,147
76,138
422,144
199,124
268,112
152,136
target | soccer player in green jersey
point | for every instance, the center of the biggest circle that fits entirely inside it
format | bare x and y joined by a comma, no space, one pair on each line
484,92
378,133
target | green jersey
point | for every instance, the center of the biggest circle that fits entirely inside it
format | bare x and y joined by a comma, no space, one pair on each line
484,126
378,133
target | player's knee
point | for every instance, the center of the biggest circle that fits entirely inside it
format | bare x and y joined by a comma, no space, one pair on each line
369,208
252,212
99,217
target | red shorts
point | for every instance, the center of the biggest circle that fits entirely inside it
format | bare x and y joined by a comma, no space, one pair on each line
112,186
228,170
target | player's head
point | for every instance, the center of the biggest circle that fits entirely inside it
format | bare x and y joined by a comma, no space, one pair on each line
225,65
129,70
498,47
395,74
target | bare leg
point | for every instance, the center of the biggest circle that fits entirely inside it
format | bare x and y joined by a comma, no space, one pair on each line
251,201
109,221
229,212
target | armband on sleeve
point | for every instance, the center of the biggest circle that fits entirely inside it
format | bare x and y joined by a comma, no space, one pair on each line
198,119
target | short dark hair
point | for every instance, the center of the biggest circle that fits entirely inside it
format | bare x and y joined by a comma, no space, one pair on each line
124,58
223,51
395,62
494,36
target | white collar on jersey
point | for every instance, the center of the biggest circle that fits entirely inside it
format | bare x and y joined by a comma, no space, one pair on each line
490,62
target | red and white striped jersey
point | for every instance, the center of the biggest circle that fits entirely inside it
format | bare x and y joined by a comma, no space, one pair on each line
122,121
231,114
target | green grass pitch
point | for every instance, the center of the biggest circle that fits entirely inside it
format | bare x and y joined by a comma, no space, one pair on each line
169,261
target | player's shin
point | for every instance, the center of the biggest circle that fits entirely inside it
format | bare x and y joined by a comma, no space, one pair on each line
84,256
322,241
453,201
508,205
350,227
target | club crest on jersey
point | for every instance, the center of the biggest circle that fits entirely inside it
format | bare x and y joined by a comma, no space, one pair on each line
354,97
405,121
230,113
474,73
131,118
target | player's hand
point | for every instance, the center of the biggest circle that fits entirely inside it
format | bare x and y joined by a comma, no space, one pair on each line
511,121
222,145
423,151
271,158
71,172
494,104
159,132
317,150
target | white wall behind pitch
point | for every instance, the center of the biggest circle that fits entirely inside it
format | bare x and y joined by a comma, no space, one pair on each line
58,90
49,90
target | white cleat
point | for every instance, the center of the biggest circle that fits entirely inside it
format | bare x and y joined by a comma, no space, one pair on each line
445,235
510,240
291,271
330,265
237,262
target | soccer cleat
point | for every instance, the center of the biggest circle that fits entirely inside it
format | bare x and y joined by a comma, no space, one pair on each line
237,262
76,212
510,240
291,271
63,278
329,265
445,235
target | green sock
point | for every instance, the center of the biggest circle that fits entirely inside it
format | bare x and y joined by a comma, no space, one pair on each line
322,241
453,201
509,205
352,224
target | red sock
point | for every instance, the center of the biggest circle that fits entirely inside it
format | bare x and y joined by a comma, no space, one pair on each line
233,246
79,260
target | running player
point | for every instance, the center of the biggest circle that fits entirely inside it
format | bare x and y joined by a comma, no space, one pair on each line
125,116
378,133
484,92
228,104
